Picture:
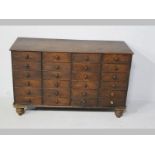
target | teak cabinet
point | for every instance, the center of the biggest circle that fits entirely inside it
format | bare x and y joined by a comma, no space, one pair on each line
70,74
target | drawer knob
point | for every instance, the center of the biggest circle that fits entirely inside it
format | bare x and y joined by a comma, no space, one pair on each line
86,86
116,68
85,68
57,75
29,92
112,94
87,58
84,93
27,66
28,75
57,57
57,101
114,86
86,76
28,83
116,59
57,84
29,101
111,102
57,67
27,57
56,93
83,101
114,77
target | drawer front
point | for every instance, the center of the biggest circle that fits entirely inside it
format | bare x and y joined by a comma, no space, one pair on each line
56,84
114,85
116,58
27,92
77,67
56,92
115,68
84,102
86,58
28,100
84,85
53,101
59,67
27,75
17,65
26,56
76,93
112,94
85,76
114,76
56,57
50,75
110,102
27,83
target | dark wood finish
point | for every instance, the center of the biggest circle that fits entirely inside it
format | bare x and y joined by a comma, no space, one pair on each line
70,74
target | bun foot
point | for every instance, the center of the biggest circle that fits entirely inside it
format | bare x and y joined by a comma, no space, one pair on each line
20,111
119,112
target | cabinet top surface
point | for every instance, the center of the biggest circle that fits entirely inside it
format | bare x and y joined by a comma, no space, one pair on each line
66,45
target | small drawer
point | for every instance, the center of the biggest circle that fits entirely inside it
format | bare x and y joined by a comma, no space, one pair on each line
28,100
18,65
77,67
76,93
114,85
53,101
27,83
115,68
60,67
27,75
87,58
27,92
114,76
110,102
26,56
116,58
113,94
81,102
85,76
56,84
56,92
84,85
56,57
50,75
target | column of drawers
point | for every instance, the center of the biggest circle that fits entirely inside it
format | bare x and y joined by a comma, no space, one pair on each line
85,79
114,79
27,77
56,78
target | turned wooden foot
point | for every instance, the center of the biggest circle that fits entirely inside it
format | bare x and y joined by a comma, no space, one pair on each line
119,112
20,111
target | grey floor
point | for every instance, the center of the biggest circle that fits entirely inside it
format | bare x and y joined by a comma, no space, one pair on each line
138,115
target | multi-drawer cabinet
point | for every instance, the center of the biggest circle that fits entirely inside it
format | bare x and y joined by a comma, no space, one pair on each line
71,74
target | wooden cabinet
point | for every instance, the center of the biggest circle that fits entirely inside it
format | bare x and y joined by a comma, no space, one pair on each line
71,74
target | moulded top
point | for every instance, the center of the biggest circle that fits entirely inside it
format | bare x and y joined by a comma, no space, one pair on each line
67,45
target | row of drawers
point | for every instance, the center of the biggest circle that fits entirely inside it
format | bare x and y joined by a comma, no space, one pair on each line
68,57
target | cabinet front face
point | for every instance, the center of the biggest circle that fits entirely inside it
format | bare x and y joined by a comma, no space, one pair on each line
27,77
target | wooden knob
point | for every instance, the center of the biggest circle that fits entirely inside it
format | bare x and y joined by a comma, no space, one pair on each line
87,58
56,93
29,92
27,66
84,93
28,83
29,101
86,86
86,76
114,86
57,57
116,68
85,68
83,101
112,94
116,59
27,57
28,75
57,75
57,67
57,84
114,77
57,101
